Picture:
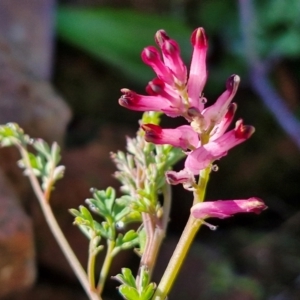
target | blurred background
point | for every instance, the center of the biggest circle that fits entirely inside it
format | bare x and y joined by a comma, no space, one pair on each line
62,65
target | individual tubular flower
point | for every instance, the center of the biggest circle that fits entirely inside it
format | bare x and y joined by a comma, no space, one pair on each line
215,113
151,57
134,101
198,73
226,208
183,137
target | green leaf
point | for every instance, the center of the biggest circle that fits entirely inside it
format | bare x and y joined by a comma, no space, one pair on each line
129,236
127,241
58,173
126,278
148,292
102,202
55,153
42,147
87,215
74,212
11,134
117,37
129,293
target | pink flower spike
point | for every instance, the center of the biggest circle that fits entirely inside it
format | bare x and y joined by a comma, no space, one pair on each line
182,137
151,57
198,73
172,59
215,112
226,208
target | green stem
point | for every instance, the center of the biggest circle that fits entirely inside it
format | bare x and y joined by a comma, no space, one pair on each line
177,258
56,230
106,266
184,243
167,192
199,193
91,263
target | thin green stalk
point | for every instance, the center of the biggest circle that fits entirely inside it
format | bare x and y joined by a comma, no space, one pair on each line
200,191
106,266
167,192
55,229
91,264
184,243
177,258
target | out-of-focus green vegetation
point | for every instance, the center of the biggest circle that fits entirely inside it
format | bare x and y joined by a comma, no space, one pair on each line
266,166
117,37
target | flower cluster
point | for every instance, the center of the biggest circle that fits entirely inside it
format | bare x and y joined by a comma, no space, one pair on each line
177,92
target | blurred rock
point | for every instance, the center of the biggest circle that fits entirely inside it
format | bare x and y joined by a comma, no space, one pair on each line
29,27
29,101
17,257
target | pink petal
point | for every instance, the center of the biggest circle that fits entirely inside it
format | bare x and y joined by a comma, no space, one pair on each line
214,113
172,59
160,37
134,101
158,87
226,208
199,159
203,156
151,57
182,137
220,128
198,74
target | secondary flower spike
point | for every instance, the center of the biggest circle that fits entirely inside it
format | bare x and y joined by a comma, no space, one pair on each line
226,208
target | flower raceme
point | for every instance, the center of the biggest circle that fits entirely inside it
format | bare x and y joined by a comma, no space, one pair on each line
177,92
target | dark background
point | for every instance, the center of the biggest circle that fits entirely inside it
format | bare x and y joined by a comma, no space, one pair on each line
95,51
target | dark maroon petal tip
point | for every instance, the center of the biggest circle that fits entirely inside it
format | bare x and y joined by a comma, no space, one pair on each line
231,111
128,98
155,87
259,207
152,132
150,54
198,38
243,131
170,47
232,82
160,37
